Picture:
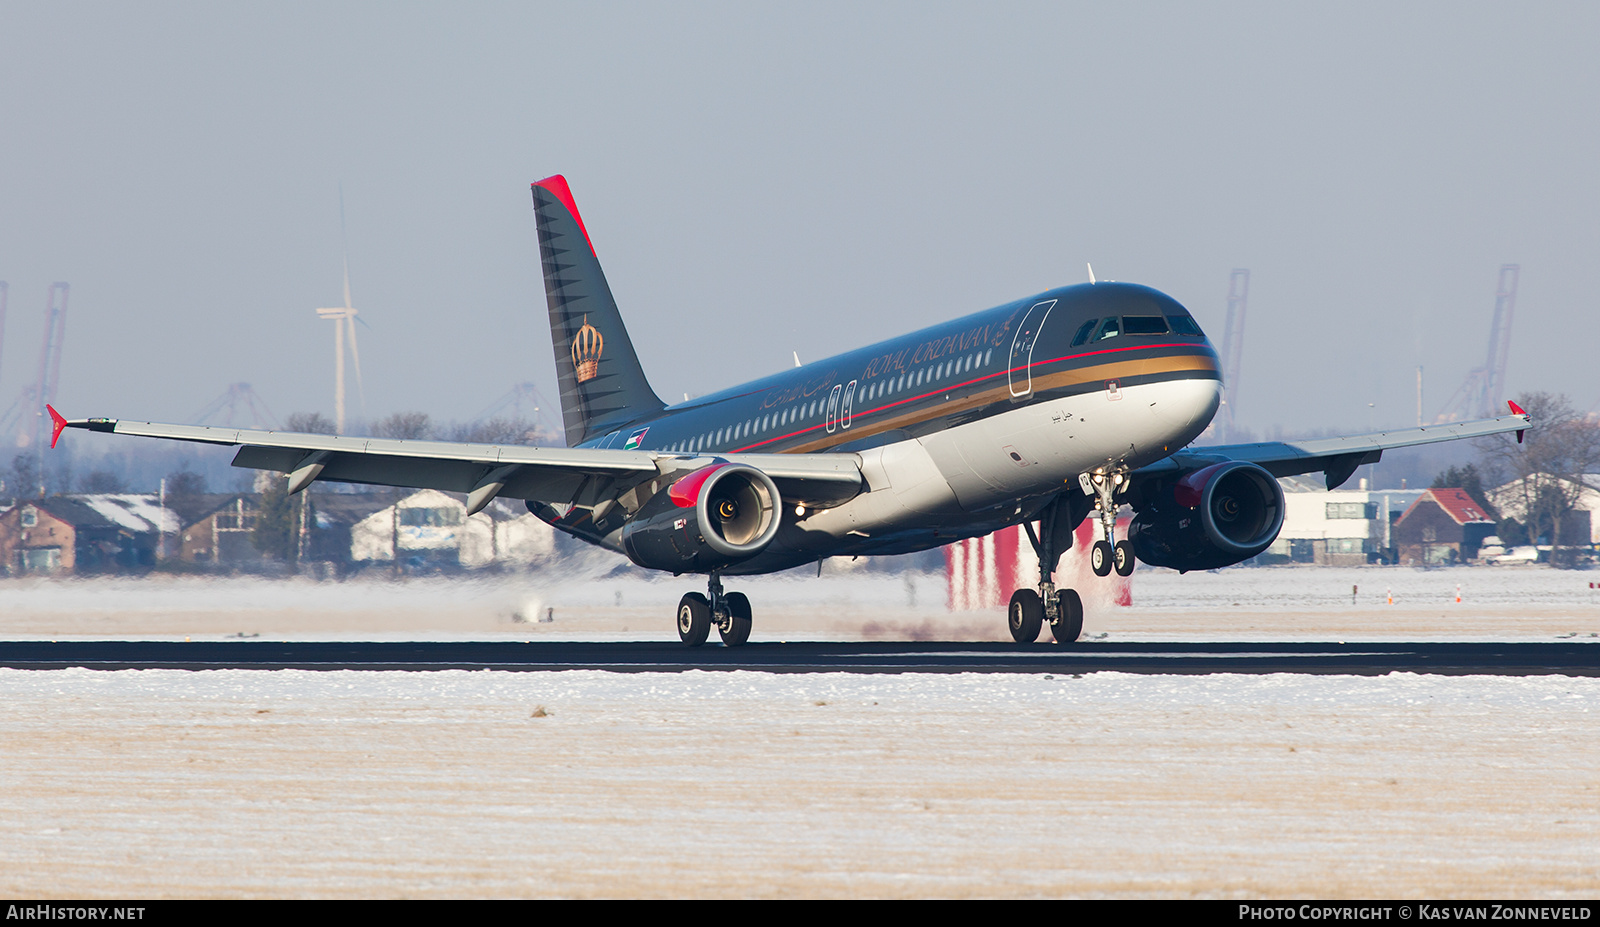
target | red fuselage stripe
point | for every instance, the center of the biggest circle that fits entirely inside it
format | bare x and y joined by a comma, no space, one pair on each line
1007,372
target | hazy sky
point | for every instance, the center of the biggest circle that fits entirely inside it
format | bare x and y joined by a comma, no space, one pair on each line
767,178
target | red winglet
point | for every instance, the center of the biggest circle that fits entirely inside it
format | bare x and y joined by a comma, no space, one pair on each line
1517,410
59,424
556,185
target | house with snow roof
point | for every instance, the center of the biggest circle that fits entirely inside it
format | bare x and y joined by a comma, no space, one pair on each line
1442,526
431,529
96,532
1579,526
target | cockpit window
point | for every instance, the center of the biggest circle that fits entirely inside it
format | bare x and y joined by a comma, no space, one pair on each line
1083,333
1108,329
1144,325
1183,325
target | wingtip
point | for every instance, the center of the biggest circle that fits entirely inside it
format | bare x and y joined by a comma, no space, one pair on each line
1518,410
58,424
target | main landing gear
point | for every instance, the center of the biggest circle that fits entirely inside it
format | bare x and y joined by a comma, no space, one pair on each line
1063,609
729,611
1106,556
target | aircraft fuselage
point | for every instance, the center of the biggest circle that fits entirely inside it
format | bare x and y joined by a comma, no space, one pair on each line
960,427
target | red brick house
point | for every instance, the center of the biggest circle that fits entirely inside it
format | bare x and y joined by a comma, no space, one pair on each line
1442,526
99,532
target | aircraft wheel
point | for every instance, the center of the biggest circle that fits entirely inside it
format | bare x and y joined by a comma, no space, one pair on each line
738,628
1025,616
1122,557
694,619
1101,557
1070,625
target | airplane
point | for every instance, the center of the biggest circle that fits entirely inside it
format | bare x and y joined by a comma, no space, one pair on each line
1041,411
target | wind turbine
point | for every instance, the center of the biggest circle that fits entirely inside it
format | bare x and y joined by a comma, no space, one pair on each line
344,318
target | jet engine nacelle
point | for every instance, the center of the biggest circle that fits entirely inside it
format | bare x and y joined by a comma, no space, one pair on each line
1213,517
715,516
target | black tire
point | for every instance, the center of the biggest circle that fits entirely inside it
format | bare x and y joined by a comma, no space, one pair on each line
738,620
694,619
1122,558
1100,558
1025,616
1069,626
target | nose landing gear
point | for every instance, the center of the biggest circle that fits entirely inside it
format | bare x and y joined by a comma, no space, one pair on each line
1108,554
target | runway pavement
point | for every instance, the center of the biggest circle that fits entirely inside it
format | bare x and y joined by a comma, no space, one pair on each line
1358,658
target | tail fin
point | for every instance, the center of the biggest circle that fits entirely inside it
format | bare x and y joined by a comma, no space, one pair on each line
603,388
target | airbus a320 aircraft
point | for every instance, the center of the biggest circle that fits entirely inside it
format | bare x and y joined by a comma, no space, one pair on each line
1040,412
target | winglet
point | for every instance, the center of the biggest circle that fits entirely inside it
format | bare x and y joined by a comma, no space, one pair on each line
1517,410
58,424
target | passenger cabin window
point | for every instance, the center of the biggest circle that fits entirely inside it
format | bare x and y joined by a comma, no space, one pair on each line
1144,325
1108,329
1083,333
1183,325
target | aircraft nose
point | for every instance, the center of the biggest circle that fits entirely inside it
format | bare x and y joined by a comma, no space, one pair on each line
1191,404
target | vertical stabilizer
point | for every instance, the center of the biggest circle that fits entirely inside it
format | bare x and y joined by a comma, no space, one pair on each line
603,388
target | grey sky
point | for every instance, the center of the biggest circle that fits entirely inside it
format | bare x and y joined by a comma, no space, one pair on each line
760,179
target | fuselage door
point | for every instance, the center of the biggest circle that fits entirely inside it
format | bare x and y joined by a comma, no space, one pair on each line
1020,373
831,417
849,400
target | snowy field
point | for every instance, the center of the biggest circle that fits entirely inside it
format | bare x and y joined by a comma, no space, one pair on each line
583,784
1277,603
586,784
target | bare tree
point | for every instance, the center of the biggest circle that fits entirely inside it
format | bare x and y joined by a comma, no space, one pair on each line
495,431
310,423
102,481
1544,478
406,426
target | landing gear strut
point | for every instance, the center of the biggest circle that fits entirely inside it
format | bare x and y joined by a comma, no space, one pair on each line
729,611
1109,554
1063,609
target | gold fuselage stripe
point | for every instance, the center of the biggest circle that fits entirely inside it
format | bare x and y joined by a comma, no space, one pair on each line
1109,370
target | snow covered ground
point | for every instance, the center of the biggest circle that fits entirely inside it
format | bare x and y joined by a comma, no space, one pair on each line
237,783
586,602
586,784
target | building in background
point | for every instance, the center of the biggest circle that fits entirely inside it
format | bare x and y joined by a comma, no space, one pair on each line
1338,527
1581,526
222,533
91,533
431,530
1443,526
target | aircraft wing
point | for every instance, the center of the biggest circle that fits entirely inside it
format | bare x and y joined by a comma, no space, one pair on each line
554,475
1337,457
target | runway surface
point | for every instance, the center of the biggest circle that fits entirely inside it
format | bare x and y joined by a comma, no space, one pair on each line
1356,658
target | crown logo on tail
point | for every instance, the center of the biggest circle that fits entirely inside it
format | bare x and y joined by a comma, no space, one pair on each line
587,346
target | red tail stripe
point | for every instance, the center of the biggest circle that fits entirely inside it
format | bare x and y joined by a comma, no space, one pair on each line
556,186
